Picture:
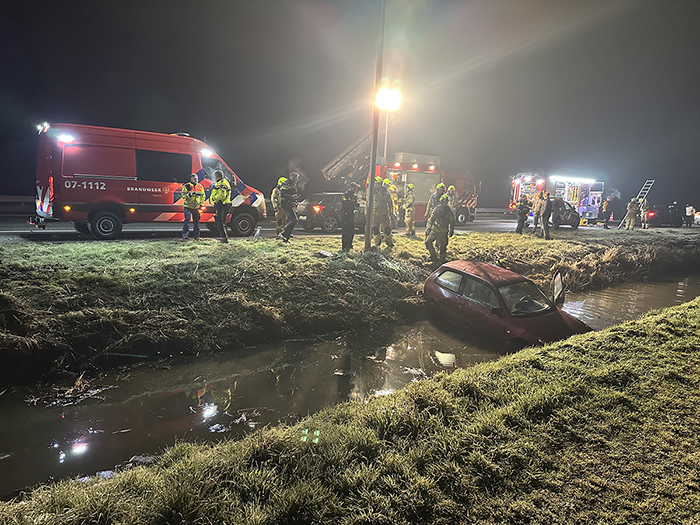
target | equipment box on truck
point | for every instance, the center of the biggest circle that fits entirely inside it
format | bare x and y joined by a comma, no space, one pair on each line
101,178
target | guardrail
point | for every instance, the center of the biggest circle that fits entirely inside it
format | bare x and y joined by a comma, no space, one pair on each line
16,205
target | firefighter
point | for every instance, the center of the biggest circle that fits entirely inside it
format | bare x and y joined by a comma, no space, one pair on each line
546,214
276,199
381,220
632,211
646,208
452,199
538,204
607,212
349,205
393,192
442,226
193,195
409,207
433,201
521,211
674,214
289,194
221,199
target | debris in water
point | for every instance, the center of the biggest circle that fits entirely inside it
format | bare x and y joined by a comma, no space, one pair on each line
5,456
219,428
121,431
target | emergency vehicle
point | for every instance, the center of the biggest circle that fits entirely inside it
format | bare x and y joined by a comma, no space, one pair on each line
423,171
584,194
100,178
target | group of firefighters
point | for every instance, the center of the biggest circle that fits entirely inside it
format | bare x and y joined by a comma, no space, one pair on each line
439,214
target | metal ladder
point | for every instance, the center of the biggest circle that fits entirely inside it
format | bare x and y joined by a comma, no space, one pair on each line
640,196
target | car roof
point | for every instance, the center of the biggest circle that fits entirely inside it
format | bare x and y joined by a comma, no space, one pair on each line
488,272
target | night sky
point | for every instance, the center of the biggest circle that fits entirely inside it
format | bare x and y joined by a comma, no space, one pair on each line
492,86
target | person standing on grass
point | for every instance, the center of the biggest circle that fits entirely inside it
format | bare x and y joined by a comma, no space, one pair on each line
349,205
276,199
607,212
521,211
193,195
290,194
646,207
221,199
442,226
409,207
632,211
538,204
689,215
546,214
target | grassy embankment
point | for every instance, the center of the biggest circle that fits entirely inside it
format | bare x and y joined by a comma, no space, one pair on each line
70,307
601,428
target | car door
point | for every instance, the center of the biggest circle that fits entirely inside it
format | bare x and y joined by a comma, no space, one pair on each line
479,308
448,295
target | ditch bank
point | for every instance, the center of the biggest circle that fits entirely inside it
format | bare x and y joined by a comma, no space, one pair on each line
73,308
599,428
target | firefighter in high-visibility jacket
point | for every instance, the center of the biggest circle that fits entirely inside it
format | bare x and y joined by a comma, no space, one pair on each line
220,197
433,202
442,226
193,197
409,206
381,219
276,199
452,199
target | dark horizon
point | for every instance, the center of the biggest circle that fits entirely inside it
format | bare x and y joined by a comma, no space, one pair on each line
493,87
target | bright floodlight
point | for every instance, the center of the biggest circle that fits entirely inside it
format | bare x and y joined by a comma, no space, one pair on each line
389,99
207,152
66,138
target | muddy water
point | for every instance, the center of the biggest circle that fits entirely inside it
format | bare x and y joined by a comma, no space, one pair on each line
209,399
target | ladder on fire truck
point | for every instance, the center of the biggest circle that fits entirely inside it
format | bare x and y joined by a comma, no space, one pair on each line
351,162
640,197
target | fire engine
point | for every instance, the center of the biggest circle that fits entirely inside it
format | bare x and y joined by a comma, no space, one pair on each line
584,194
101,178
423,171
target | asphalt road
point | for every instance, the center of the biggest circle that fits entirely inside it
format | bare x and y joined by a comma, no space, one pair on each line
13,229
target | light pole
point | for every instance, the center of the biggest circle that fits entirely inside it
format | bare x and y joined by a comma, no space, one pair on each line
388,100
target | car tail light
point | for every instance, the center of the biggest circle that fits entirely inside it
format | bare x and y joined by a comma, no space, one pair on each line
650,214
318,208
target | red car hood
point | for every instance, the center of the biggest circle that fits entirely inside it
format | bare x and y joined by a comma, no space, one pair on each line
550,327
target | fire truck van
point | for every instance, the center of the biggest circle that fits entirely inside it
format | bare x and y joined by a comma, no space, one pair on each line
425,173
101,178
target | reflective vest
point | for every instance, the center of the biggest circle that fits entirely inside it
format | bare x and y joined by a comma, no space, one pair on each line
221,192
276,197
193,195
409,201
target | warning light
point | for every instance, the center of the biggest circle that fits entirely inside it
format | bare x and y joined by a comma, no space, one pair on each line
202,208
132,210
318,208
415,166
397,164
431,168
67,208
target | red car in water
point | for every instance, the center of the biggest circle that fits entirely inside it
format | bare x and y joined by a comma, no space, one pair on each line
500,302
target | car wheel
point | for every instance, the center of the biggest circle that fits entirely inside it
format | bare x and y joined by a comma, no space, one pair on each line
243,224
82,227
330,224
308,227
105,225
462,217
556,223
575,224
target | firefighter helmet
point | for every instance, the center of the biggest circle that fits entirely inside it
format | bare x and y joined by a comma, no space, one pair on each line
440,186
410,186
281,180
451,188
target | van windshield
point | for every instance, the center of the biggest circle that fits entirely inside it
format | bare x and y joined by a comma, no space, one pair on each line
211,164
525,299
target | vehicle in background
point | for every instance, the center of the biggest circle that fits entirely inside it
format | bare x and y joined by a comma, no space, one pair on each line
101,178
423,171
323,210
659,215
500,303
584,194
563,214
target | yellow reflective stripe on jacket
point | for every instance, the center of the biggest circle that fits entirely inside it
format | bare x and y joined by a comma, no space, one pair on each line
221,192
193,195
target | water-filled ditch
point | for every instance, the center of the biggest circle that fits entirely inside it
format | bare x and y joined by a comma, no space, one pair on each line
152,407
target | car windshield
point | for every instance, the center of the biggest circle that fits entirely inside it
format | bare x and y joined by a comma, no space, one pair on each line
525,299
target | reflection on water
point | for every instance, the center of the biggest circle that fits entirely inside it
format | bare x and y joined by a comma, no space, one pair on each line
611,306
207,399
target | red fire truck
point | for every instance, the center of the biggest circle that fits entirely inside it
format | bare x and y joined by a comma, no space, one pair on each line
101,178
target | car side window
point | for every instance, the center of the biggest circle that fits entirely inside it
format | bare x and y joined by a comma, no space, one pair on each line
450,280
479,292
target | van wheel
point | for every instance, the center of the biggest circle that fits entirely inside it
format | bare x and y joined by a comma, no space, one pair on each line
105,225
556,223
82,227
574,225
462,217
243,224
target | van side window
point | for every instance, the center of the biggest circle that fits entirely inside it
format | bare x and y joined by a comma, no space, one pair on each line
450,280
162,166
211,164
